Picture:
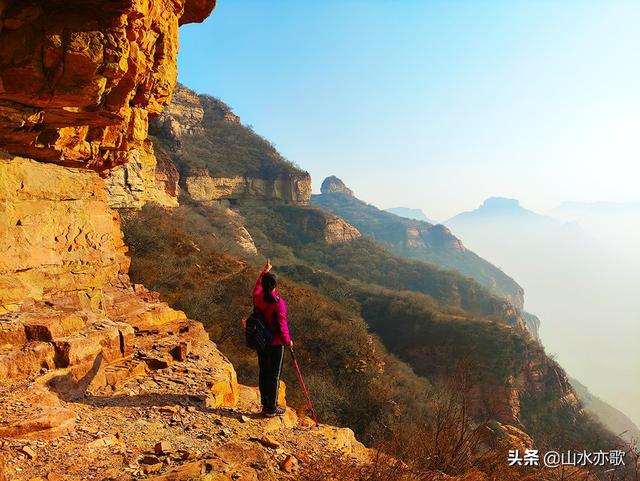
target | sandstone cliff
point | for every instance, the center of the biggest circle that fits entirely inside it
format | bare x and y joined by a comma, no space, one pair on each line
290,189
314,225
59,237
222,161
334,184
80,79
93,369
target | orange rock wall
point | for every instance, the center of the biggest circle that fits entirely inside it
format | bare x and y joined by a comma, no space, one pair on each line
79,79
58,235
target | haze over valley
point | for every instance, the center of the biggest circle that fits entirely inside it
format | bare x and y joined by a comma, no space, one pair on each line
580,272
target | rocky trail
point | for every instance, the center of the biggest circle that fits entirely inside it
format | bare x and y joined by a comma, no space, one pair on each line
139,392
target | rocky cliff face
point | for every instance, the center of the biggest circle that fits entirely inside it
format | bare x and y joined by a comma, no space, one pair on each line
59,237
313,225
290,189
334,184
539,377
97,375
189,122
80,79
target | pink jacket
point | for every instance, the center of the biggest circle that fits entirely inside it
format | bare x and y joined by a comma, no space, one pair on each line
275,313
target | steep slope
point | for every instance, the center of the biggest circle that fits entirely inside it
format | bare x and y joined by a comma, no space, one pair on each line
97,375
438,321
614,419
419,240
356,271
582,286
220,160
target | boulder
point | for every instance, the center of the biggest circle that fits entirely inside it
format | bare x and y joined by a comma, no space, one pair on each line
41,423
23,362
334,184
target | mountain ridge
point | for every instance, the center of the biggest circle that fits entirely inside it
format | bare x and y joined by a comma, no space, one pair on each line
420,240
410,213
281,230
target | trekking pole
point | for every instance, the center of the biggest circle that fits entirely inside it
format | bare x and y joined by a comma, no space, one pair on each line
304,387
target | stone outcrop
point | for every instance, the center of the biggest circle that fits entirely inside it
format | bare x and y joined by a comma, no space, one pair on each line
337,231
314,225
143,179
239,232
58,235
58,351
79,79
183,116
287,189
538,377
334,184
187,113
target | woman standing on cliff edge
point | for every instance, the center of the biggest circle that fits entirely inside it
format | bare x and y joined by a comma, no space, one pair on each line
274,312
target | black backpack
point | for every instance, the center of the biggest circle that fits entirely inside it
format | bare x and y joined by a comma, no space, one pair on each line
256,332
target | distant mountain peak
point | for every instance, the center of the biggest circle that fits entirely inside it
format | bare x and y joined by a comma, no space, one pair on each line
334,184
410,213
501,203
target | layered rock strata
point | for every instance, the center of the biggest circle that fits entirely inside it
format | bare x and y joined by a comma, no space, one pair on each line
79,79
89,363
287,189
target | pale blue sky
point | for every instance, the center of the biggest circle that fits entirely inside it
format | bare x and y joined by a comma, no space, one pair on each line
435,104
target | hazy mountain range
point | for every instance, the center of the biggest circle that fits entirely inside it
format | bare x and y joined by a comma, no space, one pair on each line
613,418
409,213
579,271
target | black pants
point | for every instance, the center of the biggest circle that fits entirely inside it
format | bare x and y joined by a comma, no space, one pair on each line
270,362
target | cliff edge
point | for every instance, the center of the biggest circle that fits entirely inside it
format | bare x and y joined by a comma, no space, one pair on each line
98,377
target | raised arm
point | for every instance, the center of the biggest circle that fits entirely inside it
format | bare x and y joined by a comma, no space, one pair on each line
257,290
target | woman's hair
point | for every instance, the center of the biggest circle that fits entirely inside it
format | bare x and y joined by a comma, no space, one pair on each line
268,285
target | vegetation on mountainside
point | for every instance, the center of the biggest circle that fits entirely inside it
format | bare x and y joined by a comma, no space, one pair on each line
227,149
439,322
353,379
431,337
615,420
434,244
433,331
187,256
553,422
275,231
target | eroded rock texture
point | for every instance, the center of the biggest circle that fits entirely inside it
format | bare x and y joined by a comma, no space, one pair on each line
334,184
79,79
317,225
287,189
57,234
95,371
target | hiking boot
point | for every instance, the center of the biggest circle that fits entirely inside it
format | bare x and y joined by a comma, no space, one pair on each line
278,411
